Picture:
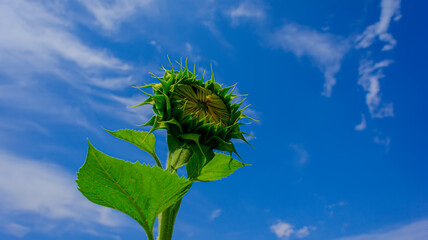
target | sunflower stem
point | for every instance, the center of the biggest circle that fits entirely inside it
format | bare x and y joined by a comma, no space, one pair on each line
166,219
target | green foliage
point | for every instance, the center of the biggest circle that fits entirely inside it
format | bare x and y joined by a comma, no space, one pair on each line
219,167
143,140
140,191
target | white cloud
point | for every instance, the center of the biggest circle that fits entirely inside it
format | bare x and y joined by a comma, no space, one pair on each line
412,231
110,14
40,196
190,52
369,75
303,232
119,105
331,208
282,229
382,141
215,214
189,47
390,11
34,99
116,83
370,72
206,12
34,38
156,45
326,50
15,229
247,10
285,230
339,204
362,125
38,50
303,155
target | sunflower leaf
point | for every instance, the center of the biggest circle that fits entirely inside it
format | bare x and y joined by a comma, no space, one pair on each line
143,140
136,189
219,167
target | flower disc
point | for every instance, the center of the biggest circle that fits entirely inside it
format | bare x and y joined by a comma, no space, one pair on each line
201,103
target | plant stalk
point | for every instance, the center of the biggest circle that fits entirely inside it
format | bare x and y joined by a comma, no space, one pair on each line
166,219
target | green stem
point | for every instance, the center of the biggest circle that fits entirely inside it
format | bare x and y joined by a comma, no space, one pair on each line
167,217
167,220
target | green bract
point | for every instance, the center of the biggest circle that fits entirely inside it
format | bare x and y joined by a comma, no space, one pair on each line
191,109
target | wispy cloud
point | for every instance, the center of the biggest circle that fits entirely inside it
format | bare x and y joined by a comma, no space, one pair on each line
38,101
284,230
371,72
15,230
303,232
215,214
326,50
34,193
155,45
118,104
110,14
39,49
247,11
385,141
114,83
302,154
191,53
390,11
362,125
369,75
207,16
413,231
34,38
331,208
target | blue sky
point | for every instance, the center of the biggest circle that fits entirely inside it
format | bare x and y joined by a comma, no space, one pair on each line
338,86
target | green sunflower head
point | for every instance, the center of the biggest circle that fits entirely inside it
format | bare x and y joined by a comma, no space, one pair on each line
193,110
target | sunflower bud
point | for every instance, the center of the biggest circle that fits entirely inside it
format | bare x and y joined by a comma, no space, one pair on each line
193,110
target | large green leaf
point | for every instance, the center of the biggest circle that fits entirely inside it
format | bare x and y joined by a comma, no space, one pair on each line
143,140
136,189
219,167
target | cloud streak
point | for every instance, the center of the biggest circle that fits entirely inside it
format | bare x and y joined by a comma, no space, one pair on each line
215,214
370,72
247,11
369,75
301,152
326,50
284,230
110,14
390,11
34,38
39,49
362,125
412,231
